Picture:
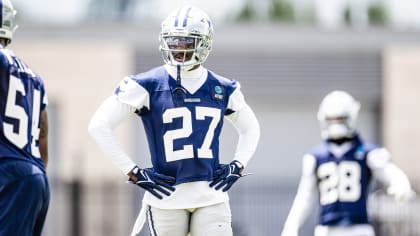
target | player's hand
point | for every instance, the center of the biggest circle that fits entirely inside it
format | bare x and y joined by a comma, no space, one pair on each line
153,182
401,194
227,175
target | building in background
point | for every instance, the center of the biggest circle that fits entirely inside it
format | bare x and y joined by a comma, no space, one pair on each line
84,48
333,14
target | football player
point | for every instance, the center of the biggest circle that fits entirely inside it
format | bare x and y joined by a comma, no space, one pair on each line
337,172
182,106
24,189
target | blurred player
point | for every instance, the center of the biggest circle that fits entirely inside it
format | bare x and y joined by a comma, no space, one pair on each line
338,172
24,189
182,106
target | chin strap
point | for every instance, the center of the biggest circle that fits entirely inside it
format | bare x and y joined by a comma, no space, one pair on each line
178,76
178,94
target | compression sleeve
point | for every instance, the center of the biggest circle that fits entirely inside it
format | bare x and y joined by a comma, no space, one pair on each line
389,174
248,128
108,116
304,199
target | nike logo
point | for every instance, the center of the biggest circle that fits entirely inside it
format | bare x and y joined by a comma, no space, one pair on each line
119,90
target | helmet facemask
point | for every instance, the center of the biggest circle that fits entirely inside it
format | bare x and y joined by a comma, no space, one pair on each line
7,27
337,128
186,38
183,51
337,116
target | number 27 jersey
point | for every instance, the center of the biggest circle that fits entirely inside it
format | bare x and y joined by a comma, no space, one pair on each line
182,129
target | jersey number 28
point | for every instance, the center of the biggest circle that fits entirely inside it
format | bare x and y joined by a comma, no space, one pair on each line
339,182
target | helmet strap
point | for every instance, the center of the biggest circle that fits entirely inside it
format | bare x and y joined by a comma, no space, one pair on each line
178,75
179,93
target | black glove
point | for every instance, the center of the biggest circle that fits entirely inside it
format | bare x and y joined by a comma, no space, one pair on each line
152,181
227,175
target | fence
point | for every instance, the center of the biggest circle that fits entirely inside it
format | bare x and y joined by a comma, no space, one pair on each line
259,208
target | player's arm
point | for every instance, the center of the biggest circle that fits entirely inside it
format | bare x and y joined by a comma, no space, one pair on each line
304,199
128,98
390,175
101,127
246,124
248,128
43,137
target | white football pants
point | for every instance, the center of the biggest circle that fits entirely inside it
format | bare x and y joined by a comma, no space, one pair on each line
214,220
353,230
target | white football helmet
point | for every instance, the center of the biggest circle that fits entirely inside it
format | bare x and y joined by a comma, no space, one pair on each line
186,37
7,17
337,115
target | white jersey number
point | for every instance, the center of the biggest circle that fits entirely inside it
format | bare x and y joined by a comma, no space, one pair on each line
339,182
16,111
187,151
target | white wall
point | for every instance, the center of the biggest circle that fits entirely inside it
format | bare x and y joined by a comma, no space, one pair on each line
402,106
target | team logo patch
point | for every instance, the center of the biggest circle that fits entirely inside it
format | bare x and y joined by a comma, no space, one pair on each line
218,92
360,153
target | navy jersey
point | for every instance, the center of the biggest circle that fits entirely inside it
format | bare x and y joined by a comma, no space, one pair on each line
183,129
22,98
343,184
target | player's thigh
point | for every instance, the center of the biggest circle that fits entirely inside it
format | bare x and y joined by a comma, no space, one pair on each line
167,222
214,220
24,200
42,214
354,230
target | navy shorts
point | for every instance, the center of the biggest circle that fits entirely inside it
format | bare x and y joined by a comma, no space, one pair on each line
24,198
